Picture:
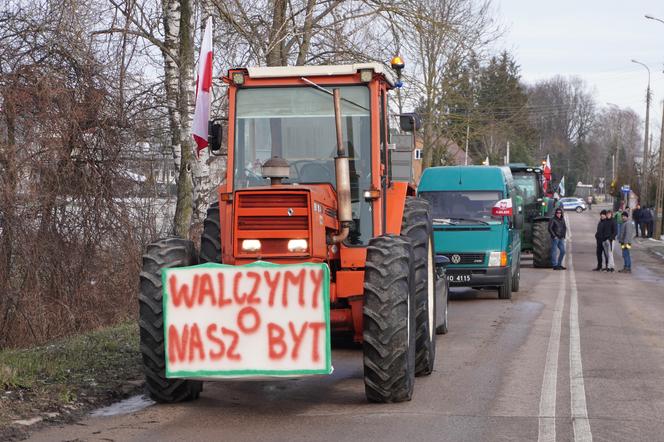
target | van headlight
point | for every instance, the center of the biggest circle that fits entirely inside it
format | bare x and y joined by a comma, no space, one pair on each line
298,245
497,259
251,245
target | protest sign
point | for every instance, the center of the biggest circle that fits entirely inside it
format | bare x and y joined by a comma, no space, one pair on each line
256,320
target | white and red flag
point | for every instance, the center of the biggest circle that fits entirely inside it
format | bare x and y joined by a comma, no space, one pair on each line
203,89
547,173
547,168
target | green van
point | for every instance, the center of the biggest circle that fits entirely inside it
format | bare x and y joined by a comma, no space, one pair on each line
477,225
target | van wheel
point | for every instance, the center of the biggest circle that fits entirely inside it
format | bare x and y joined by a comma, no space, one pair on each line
389,320
516,278
442,306
505,290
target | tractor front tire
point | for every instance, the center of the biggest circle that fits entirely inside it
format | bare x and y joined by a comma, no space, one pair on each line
417,226
165,253
389,320
541,245
211,236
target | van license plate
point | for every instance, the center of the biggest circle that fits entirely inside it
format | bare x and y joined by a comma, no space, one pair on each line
458,278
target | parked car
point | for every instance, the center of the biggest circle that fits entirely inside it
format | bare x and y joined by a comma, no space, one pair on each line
477,219
573,203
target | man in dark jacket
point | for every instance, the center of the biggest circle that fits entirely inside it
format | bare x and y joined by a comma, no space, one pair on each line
646,222
558,231
603,234
636,217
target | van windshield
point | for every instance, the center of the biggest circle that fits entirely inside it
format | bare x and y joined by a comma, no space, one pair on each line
460,207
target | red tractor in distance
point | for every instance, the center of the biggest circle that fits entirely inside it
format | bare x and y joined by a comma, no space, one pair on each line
309,179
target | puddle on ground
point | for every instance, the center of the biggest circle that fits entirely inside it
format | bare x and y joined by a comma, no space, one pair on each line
131,405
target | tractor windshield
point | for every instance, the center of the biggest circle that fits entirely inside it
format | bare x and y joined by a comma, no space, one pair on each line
297,124
527,186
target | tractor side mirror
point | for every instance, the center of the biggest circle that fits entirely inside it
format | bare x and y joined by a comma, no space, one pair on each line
410,122
216,137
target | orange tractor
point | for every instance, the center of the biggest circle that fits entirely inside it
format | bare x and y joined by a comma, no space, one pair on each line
310,179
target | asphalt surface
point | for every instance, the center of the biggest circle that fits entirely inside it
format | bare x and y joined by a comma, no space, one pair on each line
575,355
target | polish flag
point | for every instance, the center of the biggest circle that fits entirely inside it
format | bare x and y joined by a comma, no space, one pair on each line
203,86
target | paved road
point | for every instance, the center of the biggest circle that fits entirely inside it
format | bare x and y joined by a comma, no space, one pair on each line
576,355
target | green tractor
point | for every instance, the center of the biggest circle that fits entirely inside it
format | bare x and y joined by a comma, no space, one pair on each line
537,208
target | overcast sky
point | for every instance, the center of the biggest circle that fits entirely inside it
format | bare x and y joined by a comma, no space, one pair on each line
593,39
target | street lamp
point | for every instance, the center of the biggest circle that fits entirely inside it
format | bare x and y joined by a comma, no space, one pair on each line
660,179
644,190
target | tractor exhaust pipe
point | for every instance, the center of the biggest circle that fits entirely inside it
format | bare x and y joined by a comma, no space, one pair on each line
342,168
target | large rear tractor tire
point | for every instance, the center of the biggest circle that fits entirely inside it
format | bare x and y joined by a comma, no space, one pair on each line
211,236
417,226
165,253
541,245
389,320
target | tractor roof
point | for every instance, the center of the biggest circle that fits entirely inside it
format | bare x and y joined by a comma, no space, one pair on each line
320,71
522,167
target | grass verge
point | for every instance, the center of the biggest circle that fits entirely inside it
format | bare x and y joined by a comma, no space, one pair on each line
63,379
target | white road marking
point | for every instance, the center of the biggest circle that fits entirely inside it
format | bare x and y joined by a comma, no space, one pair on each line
579,408
547,406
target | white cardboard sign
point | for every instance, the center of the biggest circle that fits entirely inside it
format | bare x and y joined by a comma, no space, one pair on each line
256,320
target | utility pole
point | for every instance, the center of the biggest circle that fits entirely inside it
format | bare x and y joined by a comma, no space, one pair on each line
507,157
660,183
467,136
644,190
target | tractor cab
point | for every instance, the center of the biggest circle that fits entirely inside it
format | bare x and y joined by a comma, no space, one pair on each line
537,207
287,114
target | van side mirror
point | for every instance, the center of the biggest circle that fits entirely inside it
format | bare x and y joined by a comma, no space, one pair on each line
518,220
216,137
441,262
410,122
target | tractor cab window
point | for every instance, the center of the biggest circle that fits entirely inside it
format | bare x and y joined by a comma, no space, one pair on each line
527,186
297,124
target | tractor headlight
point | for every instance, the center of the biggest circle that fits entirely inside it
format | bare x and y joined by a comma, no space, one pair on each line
251,245
297,245
497,259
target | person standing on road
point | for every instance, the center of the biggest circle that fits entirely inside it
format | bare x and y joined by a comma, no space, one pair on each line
618,220
646,222
602,234
608,243
589,200
636,217
558,231
626,237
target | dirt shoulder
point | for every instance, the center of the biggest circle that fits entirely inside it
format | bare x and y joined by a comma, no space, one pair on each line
62,381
